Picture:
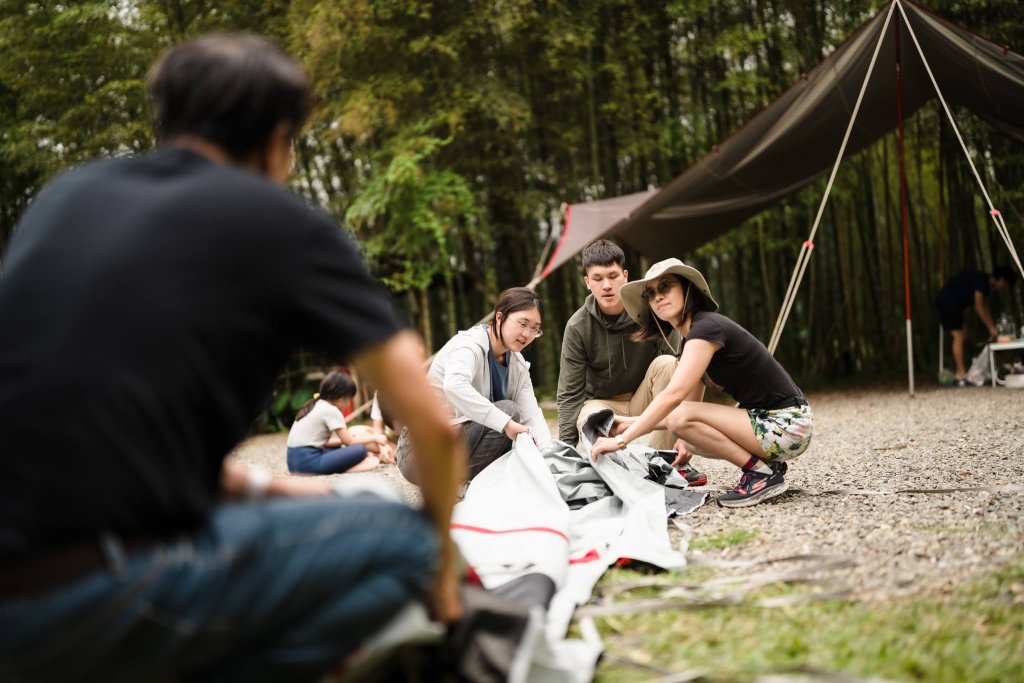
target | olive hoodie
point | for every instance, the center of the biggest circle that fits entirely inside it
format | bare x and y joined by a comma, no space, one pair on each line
599,361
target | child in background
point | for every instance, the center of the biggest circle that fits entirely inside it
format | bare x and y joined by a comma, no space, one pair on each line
320,442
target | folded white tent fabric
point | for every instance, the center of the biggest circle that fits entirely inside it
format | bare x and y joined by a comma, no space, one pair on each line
513,521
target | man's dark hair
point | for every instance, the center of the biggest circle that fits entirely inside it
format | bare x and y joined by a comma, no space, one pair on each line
1005,273
602,253
231,90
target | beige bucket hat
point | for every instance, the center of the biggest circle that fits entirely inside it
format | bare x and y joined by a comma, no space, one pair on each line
632,292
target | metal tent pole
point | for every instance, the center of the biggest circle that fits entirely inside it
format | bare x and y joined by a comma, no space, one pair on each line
903,206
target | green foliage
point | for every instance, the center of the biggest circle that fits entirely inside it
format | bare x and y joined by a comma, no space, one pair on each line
71,88
447,135
973,635
727,539
409,210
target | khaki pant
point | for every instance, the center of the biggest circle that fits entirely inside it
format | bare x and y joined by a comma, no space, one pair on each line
631,405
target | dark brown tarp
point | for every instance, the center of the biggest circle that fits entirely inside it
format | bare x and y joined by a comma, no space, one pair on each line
797,137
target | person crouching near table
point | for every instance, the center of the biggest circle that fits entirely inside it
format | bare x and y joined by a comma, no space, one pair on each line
773,423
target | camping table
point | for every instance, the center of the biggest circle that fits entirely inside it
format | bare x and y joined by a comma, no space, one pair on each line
1001,346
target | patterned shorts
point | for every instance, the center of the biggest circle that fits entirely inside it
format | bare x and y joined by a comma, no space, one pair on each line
784,433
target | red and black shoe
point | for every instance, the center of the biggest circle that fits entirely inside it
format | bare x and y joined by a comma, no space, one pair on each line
693,477
756,487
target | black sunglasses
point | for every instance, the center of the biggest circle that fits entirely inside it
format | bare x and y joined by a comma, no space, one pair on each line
664,287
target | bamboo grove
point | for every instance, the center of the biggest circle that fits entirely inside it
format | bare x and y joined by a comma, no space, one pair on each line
448,134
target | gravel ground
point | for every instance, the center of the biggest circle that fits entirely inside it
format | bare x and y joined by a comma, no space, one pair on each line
866,440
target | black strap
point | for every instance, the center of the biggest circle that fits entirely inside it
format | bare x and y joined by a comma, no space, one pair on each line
62,566
794,402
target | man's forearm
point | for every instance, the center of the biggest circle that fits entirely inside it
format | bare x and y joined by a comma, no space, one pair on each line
440,463
568,413
570,397
396,369
986,319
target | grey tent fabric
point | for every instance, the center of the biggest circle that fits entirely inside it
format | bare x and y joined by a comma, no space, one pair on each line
596,218
796,138
580,484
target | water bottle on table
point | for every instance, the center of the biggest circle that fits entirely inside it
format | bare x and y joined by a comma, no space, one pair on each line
1006,328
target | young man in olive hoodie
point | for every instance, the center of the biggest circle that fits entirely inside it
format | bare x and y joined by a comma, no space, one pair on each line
601,367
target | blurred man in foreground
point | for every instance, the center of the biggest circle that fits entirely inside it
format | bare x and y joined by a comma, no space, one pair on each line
148,305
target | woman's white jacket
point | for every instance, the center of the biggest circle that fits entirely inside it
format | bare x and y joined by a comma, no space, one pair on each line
461,373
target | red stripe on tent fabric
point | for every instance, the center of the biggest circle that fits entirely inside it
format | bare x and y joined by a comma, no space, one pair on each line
589,557
482,530
561,240
472,577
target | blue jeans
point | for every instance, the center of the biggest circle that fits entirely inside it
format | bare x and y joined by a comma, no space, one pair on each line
313,460
271,591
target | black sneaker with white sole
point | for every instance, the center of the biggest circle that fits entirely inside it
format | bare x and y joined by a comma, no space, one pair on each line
756,487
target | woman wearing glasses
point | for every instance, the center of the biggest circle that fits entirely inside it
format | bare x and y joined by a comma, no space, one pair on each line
485,380
773,422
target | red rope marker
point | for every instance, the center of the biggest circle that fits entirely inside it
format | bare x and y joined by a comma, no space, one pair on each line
995,212
809,244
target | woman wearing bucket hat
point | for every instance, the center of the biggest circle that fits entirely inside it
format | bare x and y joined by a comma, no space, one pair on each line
772,423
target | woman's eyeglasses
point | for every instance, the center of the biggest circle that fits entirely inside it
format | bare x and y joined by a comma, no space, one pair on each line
527,328
663,288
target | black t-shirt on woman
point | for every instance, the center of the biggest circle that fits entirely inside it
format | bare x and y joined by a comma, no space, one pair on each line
742,367
147,306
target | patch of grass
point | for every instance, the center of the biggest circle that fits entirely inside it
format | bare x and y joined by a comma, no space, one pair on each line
726,539
975,634
621,581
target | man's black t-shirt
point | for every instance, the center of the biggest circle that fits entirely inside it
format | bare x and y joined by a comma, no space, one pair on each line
742,367
148,305
958,292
